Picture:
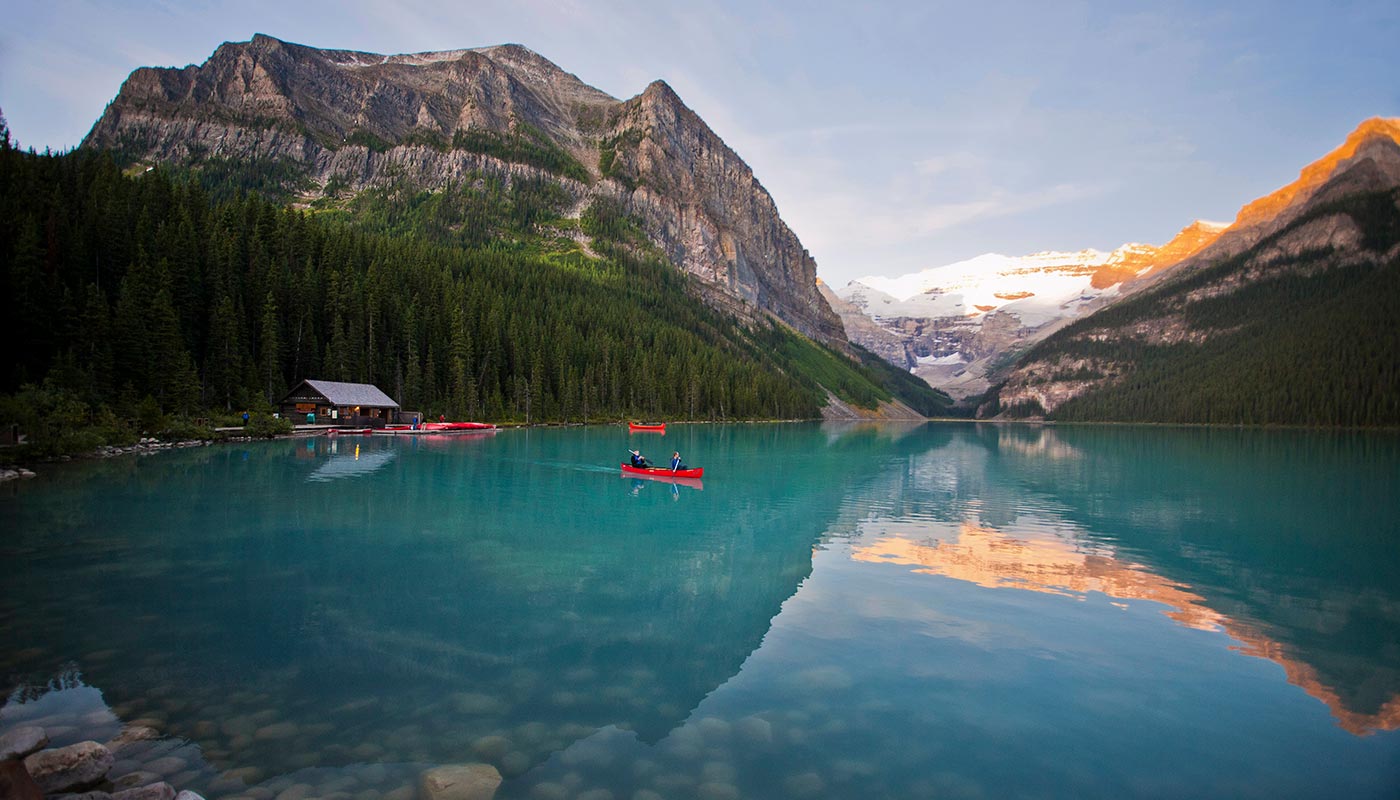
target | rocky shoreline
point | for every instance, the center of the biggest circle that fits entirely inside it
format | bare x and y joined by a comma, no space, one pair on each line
133,766
29,770
145,445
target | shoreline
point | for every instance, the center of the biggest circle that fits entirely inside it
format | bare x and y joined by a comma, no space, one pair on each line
21,469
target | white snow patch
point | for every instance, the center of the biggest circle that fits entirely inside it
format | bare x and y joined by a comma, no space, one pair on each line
941,361
1038,288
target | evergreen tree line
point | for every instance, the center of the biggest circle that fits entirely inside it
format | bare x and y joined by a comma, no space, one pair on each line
1313,343
124,289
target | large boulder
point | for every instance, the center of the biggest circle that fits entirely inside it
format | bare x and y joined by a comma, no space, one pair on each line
459,782
69,769
20,742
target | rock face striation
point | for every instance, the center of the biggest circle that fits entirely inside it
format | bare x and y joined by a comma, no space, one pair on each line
343,120
1341,212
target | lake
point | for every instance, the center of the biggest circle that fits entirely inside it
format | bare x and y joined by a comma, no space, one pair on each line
834,611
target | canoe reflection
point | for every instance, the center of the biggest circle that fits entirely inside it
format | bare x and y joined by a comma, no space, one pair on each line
695,483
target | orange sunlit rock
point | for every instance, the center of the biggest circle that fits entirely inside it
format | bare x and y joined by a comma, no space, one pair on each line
1134,262
1069,567
1052,565
1317,173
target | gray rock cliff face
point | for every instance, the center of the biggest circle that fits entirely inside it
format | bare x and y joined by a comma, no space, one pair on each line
361,120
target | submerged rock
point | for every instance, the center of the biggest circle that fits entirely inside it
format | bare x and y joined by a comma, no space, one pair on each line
296,791
806,784
81,796
132,734
131,780
754,730
277,730
460,782
549,791
167,765
188,795
154,791
68,769
491,747
715,790
477,703
515,763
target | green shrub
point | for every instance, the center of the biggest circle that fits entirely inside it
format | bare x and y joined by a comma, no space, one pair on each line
266,426
181,429
55,422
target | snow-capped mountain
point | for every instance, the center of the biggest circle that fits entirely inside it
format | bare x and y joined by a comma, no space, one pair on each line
949,323
1036,287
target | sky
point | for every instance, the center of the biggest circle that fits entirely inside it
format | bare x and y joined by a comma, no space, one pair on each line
893,136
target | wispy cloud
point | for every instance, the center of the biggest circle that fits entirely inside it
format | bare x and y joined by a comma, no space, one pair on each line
999,203
854,221
950,162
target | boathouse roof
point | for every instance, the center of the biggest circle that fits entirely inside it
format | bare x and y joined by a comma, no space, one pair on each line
346,394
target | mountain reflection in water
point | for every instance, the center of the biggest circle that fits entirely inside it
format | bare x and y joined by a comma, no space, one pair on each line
1153,528
844,611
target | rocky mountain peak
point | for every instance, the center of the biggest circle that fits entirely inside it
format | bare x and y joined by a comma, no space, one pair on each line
662,90
1368,160
1294,234
360,120
1371,135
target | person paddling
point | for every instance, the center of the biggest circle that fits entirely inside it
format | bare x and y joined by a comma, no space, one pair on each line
638,460
676,461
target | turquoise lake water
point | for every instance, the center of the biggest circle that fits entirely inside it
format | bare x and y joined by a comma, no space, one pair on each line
835,611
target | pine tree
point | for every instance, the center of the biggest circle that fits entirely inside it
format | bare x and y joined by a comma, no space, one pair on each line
270,351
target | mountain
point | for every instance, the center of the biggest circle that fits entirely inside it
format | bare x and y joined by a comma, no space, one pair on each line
137,297
477,231
326,124
1287,317
953,325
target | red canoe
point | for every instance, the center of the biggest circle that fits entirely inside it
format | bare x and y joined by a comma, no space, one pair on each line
456,426
659,427
664,472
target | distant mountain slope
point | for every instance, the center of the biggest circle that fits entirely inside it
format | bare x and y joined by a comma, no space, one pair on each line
324,124
1288,317
954,325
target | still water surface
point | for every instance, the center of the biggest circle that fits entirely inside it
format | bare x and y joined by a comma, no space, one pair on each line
833,612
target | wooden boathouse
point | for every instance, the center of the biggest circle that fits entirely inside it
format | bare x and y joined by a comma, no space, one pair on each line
337,403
